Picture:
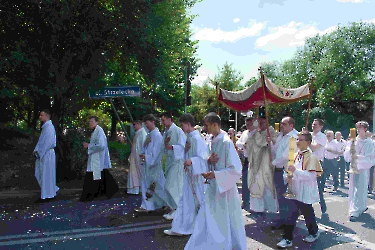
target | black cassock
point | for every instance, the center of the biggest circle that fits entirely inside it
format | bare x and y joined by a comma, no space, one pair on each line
106,186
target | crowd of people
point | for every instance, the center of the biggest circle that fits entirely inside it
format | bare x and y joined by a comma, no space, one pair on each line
282,172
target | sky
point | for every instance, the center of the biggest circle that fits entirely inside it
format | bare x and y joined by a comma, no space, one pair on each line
246,33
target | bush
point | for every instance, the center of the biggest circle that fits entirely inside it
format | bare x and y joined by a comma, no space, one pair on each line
74,158
123,150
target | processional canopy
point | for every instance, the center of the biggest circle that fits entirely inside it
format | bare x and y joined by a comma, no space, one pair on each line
252,97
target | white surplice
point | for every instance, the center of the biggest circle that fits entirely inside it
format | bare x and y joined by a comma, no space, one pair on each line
45,165
219,223
98,153
174,165
152,171
134,174
193,189
304,182
358,182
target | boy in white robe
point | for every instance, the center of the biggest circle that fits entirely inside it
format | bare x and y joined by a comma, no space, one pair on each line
219,223
98,180
45,165
174,145
305,170
196,155
152,176
134,174
362,155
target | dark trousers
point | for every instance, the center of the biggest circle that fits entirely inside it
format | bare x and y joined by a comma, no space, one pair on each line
371,180
331,168
280,190
245,185
106,186
321,183
342,170
307,211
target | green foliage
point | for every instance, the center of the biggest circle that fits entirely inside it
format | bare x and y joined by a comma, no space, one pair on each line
54,52
203,101
123,150
204,97
82,120
343,64
74,163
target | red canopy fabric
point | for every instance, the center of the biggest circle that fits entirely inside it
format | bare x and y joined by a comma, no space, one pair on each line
252,96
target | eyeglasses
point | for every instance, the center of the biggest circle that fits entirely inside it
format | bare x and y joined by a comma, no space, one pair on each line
300,139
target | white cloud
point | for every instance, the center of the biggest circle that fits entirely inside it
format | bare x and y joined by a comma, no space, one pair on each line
203,74
369,21
236,20
291,35
218,35
350,1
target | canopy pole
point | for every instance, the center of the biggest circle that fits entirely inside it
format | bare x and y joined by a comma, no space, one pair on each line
264,98
216,84
266,109
309,105
118,118
217,98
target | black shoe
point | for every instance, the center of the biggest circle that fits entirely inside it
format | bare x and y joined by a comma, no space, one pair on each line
277,226
353,218
142,210
40,200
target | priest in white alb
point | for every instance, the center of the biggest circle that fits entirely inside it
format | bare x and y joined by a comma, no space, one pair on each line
196,155
261,171
45,165
98,180
134,174
219,223
174,146
152,176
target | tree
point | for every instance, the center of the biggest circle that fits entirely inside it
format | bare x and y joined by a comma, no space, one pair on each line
343,64
204,98
54,52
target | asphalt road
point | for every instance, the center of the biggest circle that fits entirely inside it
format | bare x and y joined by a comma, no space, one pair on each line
66,223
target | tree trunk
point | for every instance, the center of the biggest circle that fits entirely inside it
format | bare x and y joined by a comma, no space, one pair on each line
113,126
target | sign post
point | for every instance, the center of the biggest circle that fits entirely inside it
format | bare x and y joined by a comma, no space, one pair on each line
120,91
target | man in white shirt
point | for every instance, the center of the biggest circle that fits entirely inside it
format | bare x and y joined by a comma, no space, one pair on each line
331,154
361,158
341,162
280,151
317,147
371,178
241,145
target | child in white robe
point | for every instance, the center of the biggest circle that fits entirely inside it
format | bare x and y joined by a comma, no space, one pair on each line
304,185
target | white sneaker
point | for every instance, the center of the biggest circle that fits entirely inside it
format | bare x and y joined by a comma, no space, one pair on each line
311,237
169,216
284,243
171,233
